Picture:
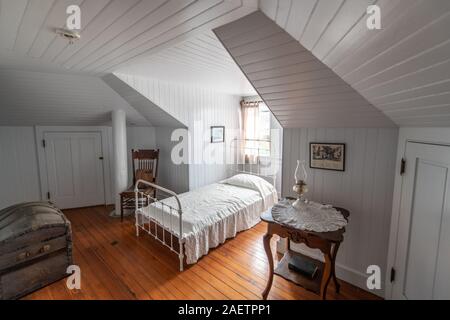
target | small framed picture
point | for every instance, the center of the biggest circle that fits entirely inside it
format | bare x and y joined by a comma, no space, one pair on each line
217,134
328,156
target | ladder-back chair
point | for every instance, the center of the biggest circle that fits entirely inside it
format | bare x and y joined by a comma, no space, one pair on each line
145,167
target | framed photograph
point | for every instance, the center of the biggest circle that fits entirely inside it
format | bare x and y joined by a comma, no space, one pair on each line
217,134
328,156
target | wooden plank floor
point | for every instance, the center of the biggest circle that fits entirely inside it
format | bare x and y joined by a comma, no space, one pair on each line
115,264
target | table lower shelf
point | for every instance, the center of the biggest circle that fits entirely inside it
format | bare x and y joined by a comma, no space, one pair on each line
283,271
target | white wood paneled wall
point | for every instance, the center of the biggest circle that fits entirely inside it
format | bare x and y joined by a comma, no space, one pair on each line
141,138
155,116
199,109
19,176
171,176
19,169
365,189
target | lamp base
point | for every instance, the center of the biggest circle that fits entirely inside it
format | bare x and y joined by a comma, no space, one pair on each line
300,204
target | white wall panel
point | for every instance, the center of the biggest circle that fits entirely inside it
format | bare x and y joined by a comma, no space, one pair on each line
365,189
171,176
19,170
199,109
19,176
155,116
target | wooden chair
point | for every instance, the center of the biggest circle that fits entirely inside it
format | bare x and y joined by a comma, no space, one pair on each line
145,167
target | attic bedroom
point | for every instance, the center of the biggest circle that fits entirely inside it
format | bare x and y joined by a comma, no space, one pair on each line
224,150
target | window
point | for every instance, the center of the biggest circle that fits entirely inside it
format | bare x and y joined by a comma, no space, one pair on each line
256,122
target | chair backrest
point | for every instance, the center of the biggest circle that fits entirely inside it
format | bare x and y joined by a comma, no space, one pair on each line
145,163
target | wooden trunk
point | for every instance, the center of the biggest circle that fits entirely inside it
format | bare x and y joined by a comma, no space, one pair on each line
35,248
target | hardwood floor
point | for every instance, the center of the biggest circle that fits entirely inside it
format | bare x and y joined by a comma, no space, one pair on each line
115,264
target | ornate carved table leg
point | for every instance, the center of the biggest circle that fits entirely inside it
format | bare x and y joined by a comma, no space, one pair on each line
326,277
266,241
333,270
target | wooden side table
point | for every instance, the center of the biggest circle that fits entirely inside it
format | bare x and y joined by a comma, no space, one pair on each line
327,242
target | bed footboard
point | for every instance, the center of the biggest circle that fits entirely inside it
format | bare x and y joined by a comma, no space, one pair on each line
162,225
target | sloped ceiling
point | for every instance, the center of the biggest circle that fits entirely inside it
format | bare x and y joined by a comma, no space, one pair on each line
113,32
44,80
153,113
402,69
298,88
201,60
37,98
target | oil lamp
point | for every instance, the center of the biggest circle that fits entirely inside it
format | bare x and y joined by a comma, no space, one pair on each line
300,186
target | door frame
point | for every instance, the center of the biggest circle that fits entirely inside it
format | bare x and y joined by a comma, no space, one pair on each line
437,136
105,133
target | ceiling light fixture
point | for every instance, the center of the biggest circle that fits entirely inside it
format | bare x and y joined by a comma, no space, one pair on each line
70,35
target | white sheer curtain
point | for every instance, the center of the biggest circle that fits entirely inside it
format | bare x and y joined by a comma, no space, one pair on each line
250,130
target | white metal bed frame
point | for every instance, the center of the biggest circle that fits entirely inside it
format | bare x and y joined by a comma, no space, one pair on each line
238,150
145,223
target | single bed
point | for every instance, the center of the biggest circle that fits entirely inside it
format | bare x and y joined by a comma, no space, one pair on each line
193,222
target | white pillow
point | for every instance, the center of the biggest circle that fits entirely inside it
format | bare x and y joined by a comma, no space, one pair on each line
251,182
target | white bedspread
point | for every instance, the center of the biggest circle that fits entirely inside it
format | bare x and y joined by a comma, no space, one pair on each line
212,214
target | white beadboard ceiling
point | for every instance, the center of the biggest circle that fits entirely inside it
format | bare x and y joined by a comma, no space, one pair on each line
114,32
202,61
402,69
299,89
59,84
37,98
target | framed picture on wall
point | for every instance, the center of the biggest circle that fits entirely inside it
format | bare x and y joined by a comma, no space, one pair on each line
217,134
327,156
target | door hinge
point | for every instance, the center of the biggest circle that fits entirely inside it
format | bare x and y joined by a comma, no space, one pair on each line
43,143
48,195
392,274
402,166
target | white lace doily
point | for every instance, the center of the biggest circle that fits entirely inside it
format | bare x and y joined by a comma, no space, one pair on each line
313,216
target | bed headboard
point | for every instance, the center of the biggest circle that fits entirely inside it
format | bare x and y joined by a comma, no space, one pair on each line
255,161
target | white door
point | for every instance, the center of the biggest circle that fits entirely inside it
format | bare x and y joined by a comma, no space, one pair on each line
423,248
74,168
